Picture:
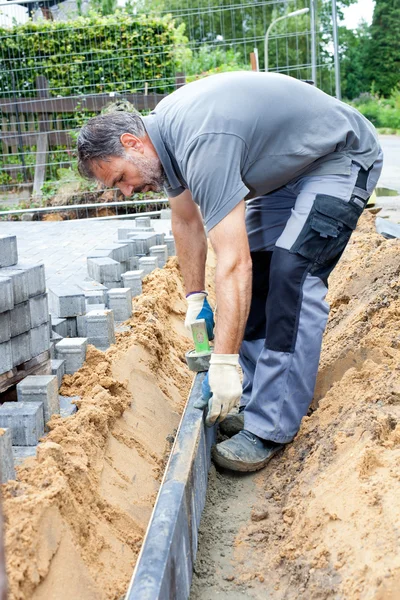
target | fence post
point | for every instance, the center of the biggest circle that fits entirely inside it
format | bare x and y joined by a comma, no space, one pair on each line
180,80
42,144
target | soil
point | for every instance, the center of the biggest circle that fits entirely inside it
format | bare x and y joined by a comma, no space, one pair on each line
322,520
76,516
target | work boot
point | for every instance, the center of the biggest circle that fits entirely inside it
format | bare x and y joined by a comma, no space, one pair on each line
244,452
233,423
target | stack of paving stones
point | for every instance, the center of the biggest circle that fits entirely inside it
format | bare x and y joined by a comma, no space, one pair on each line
24,313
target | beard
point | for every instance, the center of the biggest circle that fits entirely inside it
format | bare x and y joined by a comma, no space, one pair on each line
151,170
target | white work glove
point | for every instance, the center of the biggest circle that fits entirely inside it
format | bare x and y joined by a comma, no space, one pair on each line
199,308
221,389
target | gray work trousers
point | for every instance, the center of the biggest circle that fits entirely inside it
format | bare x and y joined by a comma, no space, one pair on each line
296,235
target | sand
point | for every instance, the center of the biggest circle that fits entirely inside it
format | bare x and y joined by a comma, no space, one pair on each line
76,517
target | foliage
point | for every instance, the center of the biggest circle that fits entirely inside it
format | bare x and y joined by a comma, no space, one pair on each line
209,60
382,112
353,54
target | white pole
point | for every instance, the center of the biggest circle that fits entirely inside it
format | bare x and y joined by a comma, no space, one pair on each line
336,50
313,43
302,11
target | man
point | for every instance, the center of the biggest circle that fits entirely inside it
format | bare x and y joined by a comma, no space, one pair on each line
307,163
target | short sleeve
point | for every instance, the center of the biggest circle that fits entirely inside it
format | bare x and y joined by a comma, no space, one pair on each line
212,168
173,192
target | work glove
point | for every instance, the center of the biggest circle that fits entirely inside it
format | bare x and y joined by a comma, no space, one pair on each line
199,308
221,388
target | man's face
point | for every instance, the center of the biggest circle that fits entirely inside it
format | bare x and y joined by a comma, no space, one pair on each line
132,173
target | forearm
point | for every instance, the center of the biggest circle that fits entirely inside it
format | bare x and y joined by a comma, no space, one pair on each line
191,247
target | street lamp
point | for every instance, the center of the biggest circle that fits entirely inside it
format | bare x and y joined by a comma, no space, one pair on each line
295,13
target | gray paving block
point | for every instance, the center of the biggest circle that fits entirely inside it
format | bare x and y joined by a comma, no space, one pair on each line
143,242
143,222
5,327
73,351
6,359
100,328
59,326
81,328
21,348
145,229
132,264
113,284
40,339
56,337
90,285
147,264
169,241
161,252
67,408
123,232
40,388
58,369
72,328
36,277
20,453
118,251
7,470
20,283
95,297
160,239
104,269
133,280
6,293
99,253
130,244
8,250
67,301
20,318
120,301
101,306
25,421
165,213
52,349
39,310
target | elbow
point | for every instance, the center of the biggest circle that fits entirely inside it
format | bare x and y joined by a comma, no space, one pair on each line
239,266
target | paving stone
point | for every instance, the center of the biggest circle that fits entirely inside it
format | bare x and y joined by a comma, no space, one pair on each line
25,421
72,328
123,232
95,297
90,285
122,328
8,250
131,247
161,252
143,242
100,328
170,243
6,358
118,251
20,319
101,306
6,293
165,213
20,283
36,277
40,339
59,326
160,239
5,327
7,470
144,229
120,301
39,310
143,222
81,326
58,369
67,301
104,269
21,348
73,351
99,253
56,337
113,284
133,280
147,264
40,388
67,408
20,453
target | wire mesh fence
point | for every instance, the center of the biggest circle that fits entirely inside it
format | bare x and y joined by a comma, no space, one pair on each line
58,67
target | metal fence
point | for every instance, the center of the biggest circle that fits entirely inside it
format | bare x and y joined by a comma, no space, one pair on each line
58,72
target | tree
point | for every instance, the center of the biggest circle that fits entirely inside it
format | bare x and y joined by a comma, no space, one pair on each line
353,60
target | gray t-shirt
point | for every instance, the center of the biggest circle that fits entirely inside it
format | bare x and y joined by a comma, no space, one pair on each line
244,134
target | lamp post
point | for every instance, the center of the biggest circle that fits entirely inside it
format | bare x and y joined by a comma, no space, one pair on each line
295,13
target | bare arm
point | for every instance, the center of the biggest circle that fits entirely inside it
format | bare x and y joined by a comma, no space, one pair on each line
233,280
190,239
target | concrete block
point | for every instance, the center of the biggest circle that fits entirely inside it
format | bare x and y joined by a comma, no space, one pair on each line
133,280
7,470
143,242
6,359
160,239
95,297
40,339
6,293
123,232
169,241
67,408
144,229
100,328
118,251
73,351
147,264
21,348
25,421
20,453
104,269
39,310
143,222
133,263
58,369
56,337
40,388
20,317
120,301
122,328
81,326
36,277
113,284
130,244
95,307
5,327
67,301
90,285
99,253
165,213
59,326
52,349
20,283
72,328
8,250
161,252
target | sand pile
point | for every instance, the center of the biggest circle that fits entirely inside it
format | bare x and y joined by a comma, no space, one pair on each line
327,521
76,517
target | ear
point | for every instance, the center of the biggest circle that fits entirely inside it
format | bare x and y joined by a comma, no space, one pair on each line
131,142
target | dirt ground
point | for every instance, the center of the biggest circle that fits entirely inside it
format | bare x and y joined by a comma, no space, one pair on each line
76,517
322,521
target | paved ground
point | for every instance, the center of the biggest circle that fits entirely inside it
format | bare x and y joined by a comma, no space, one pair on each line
390,177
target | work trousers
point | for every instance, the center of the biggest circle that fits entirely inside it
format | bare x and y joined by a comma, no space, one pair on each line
296,235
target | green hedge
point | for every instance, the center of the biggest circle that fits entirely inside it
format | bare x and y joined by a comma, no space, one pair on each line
92,54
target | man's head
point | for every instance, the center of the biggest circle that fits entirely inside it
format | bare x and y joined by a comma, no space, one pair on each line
115,149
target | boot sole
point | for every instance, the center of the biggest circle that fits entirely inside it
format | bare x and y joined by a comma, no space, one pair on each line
239,465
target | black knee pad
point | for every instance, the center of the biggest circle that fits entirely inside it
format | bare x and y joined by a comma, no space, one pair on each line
255,326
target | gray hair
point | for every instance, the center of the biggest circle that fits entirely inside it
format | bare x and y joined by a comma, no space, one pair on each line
100,138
